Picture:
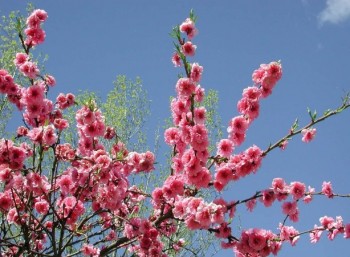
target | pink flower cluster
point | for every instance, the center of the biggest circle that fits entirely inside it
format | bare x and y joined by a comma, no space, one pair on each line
91,175
264,78
267,76
333,226
11,156
64,101
10,88
257,242
288,234
238,166
189,163
90,251
241,165
148,238
28,68
35,34
198,214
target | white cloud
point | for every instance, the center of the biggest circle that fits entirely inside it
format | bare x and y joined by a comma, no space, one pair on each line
335,12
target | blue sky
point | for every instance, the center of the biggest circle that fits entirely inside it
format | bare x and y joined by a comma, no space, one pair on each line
90,42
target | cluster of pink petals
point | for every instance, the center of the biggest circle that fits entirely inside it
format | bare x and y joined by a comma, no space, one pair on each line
65,152
90,251
140,161
198,214
267,76
12,156
28,68
176,60
288,234
333,226
64,101
238,166
257,242
10,88
148,237
90,125
38,109
35,34
45,136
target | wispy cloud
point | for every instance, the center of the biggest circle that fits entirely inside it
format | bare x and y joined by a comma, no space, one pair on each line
336,11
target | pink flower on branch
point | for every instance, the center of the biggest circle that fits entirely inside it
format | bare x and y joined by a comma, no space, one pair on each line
189,28
308,134
188,49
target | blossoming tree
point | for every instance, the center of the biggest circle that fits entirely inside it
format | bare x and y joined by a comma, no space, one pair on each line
61,200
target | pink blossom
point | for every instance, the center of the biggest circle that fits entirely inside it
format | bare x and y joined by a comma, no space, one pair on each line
36,17
268,197
257,239
22,131
110,133
35,36
249,108
224,231
280,188
267,76
237,138
185,88
36,135
60,124
42,207
224,175
308,134
199,137
49,135
189,28
50,80
20,59
5,202
147,162
196,72
65,101
327,222
252,93
327,189
199,94
200,115
180,106
176,60
238,124
65,152
225,147
297,190
188,48
90,251
29,69
289,233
